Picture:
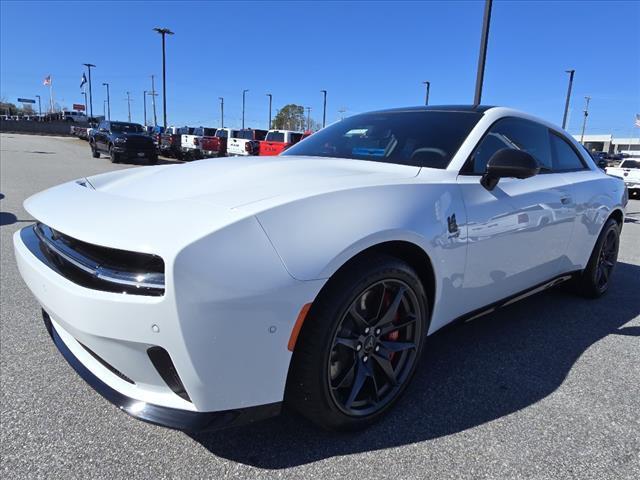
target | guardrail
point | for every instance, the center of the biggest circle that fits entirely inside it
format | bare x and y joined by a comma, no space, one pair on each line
56,127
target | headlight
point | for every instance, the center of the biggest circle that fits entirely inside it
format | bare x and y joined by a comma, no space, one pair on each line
120,140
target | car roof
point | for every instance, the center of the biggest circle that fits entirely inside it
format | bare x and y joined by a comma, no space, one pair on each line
440,108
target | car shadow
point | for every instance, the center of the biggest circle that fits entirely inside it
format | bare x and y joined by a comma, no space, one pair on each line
473,373
144,162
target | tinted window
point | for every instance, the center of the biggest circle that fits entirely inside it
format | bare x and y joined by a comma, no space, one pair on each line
564,157
275,137
221,134
209,132
421,138
630,164
296,137
513,133
119,127
245,134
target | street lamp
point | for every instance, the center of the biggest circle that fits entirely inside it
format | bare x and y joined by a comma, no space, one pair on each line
566,105
324,108
221,112
129,106
39,106
108,102
426,99
163,32
89,67
243,95
270,100
484,39
144,100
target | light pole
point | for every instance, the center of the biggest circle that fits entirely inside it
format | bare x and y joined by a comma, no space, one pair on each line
426,98
308,118
270,100
484,39
243,98
584,122
129,106
163,32
144,102
566,105
221,112
108,102
85,101
324,108
89,67
39,106
153,100
104,108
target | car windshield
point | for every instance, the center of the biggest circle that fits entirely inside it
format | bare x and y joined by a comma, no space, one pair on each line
411,137
126,127
630,164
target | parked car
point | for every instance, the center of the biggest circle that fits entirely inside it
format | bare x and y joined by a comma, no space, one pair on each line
277,141
121,141
74,117
629,171
245,142
216,146
315,277
170,142
191,144
156,135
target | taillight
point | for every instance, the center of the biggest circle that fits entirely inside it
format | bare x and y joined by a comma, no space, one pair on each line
248,147
196,141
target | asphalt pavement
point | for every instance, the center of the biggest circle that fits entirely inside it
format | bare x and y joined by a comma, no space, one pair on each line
547,388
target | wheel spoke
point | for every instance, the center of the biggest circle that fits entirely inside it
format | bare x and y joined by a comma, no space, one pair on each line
347,342
390,327
398,346
374,381
361,376
348,374
390,315
386,367
359,320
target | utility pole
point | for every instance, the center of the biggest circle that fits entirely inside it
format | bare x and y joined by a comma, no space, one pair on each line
426,99
153,101
324,108
221,112
270,100
243,95
566,105
144,100
308,118
584,122
39,106
104,108
89,67
484,39
164,32
108,102
129,106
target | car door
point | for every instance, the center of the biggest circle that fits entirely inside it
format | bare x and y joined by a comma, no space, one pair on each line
100,135
517,234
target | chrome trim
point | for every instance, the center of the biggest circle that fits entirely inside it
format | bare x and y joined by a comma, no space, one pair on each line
145,280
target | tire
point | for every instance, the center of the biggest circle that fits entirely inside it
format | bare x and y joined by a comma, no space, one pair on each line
94,152
334,351
115,158
153,159
594,280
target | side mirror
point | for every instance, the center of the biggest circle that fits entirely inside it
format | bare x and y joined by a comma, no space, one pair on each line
509,162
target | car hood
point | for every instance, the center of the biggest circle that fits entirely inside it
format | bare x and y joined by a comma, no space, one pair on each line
235,182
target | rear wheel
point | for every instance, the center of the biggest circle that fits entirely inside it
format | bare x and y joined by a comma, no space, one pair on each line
94,151
594,280
115,158
360,344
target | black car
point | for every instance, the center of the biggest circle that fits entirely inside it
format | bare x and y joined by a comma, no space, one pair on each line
122,141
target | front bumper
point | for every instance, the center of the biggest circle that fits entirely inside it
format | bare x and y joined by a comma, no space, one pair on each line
158,415
135,153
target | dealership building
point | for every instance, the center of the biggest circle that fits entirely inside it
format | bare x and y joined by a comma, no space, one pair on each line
611,144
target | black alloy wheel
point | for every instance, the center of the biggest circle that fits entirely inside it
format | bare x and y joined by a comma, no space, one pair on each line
607,259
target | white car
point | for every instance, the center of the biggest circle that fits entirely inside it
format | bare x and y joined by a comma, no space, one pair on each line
233,285
629,172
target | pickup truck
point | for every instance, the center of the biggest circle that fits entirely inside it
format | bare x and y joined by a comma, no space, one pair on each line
191,142
216,146
629,171
122,141
277,141
170,142
245,142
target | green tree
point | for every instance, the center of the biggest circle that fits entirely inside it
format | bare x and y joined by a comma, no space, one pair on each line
290,117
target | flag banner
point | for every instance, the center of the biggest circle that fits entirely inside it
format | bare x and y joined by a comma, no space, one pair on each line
83,80
47,80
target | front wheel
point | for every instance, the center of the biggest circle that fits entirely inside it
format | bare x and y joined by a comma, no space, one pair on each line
360,344
594,280
94,151
115,158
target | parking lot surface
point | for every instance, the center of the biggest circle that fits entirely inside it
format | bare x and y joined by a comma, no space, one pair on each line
547,388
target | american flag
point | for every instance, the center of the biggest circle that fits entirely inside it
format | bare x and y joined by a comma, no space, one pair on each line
47,80
637,124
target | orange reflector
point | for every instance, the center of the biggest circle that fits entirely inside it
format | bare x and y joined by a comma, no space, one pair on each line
298,326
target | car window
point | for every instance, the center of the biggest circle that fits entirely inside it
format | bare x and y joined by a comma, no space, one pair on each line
221,134
406,137
209,132
565,158
296,137
630,164
275,137
515,133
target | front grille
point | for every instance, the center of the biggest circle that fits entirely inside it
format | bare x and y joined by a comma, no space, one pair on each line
96,267
138,143
162,361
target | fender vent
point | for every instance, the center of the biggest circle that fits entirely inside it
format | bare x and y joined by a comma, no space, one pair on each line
162,361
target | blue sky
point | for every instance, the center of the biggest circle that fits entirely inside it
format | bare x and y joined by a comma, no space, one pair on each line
368,55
